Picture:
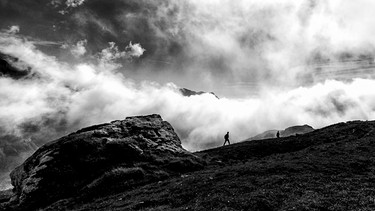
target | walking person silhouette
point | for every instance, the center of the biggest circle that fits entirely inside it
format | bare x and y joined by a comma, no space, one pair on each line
226,139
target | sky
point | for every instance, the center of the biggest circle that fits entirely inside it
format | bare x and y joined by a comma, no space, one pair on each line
273,64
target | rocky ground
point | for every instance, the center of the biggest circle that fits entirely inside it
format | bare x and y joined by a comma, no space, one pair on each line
328,169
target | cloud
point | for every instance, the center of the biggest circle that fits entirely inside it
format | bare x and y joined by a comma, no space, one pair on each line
14,29
274,46
79,49
56,3
110,56
262,43
86,94
74,3
68,4
266,43
111,53
135,50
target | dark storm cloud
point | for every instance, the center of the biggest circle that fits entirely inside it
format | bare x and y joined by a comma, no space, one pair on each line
238,43
179,37
36,18
101,22
155,25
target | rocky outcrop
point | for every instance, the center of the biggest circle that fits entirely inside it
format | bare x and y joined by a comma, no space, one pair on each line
101,158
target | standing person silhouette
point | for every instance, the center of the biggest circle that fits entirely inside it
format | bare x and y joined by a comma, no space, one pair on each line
226,139
278,134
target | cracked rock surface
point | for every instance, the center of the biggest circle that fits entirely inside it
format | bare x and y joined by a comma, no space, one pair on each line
120,154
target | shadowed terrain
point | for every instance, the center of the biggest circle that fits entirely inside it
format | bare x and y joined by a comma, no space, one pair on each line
328,169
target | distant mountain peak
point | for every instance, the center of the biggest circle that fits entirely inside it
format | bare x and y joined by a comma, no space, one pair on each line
8,67
290,131
187,92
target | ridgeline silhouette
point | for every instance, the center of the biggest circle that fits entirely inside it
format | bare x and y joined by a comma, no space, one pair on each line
327,169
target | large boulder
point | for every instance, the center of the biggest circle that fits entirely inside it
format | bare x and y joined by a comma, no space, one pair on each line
99,158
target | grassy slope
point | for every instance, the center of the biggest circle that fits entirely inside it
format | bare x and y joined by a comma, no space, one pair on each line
328,169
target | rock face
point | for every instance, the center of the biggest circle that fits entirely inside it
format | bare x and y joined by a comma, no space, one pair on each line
100,158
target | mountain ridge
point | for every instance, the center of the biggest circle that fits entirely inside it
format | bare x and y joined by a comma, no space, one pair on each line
331,168
187,92
289,131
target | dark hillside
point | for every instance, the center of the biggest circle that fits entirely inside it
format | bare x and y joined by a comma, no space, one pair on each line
261,148
328,169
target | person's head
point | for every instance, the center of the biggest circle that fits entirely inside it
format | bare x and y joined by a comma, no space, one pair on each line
227,132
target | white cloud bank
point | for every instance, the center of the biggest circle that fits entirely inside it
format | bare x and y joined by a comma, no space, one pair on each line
269,42
86,94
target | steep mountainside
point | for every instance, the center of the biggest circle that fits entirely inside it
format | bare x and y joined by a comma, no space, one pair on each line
332,168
